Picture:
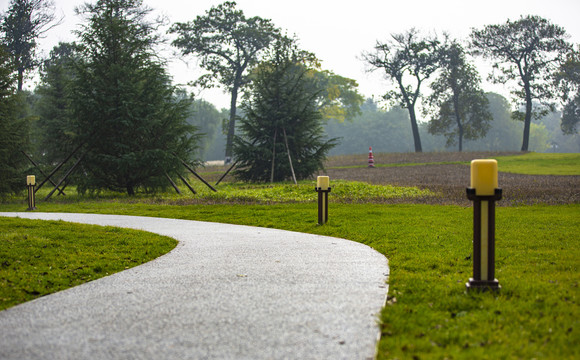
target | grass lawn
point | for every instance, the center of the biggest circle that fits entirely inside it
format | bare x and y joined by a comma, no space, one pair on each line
38,258
540,164
428,315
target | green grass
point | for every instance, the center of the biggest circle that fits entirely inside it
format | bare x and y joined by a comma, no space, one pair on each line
540,164
535,315
342,191
38,258
242,193
429,315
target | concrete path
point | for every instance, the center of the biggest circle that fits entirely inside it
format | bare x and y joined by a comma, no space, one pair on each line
225,292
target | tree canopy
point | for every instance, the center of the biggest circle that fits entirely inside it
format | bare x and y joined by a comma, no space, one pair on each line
568,78
406,55
228,44
459,106
282,135
528,51
55,131
13,129
126,111
21,26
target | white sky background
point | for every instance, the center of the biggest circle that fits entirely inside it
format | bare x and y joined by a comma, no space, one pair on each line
338,31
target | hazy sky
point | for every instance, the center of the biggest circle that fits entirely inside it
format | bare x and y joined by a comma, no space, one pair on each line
339,31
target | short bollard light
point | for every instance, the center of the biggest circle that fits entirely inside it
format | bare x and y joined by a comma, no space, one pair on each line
484,193
30,184
323,188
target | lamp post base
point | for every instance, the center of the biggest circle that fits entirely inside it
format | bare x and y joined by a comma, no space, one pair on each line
482,285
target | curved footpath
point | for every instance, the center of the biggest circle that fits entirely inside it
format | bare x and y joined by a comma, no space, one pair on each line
225,292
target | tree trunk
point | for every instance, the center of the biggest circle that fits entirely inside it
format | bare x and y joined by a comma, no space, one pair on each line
130,190
460,138
458,120
20,78
528,117
415,128
231,125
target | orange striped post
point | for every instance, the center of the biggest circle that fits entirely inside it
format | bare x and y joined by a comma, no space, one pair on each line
371,158
484,193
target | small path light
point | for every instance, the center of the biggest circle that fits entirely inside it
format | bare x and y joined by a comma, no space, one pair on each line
30,184
323,188
484,193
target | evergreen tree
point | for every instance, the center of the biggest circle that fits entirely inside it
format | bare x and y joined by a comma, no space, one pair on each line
126,111
13,130
23,23
282,130
55,135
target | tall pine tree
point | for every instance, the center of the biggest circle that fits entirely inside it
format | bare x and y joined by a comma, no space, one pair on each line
13,129
55,134
282,129
126,110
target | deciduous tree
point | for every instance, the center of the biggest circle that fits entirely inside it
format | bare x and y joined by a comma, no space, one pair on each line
228,44
568,78
408,59
459,107
338,98
528,51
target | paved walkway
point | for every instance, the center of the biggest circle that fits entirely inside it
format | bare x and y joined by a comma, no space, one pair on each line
225,292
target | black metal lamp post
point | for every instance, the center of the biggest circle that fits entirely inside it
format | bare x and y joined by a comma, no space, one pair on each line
484,193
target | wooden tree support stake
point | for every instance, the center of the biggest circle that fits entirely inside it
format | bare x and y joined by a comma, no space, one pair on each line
172,183
289,157
60,191
65,176
187,184
196,175
58,168
226,173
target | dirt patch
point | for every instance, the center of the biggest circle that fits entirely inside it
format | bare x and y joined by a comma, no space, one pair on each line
447,180
416,158
450,181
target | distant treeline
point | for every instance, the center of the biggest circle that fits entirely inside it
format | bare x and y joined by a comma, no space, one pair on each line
388,131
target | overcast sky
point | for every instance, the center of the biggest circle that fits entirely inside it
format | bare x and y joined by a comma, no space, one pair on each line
339,31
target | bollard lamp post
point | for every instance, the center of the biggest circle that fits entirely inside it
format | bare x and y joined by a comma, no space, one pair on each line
323,188
484,192
30,184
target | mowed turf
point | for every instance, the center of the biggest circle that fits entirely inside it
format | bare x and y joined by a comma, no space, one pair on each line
429,315
540,164
38,258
